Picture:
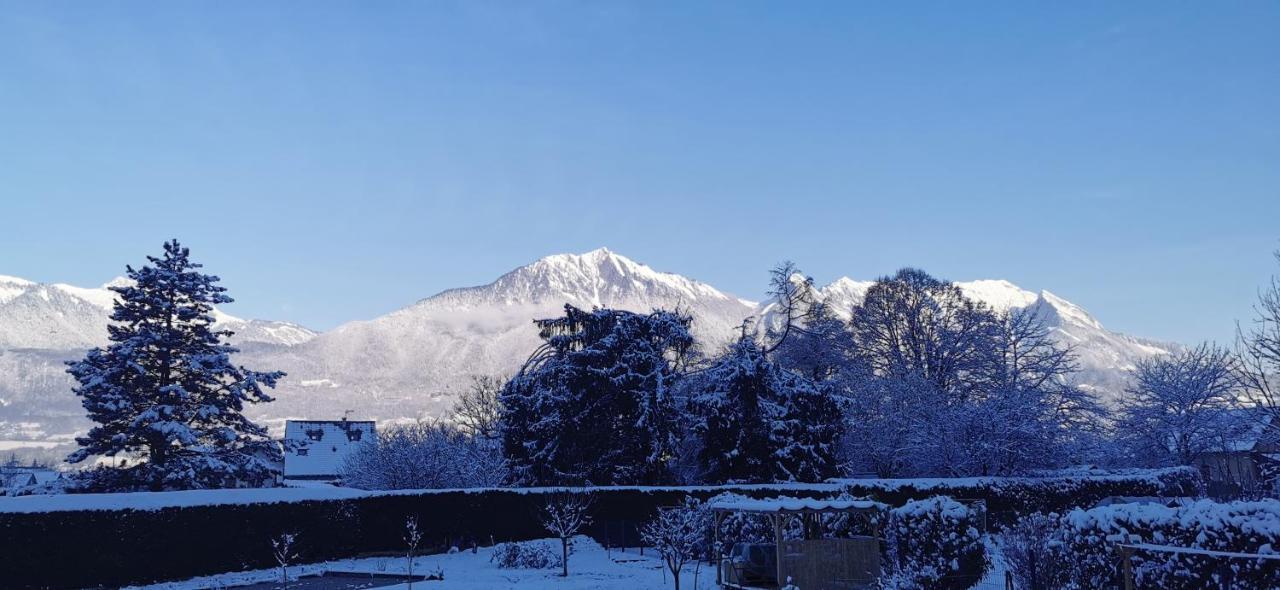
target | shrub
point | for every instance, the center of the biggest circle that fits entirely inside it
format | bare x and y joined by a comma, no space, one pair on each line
424,455
1033,554
533,555
934,543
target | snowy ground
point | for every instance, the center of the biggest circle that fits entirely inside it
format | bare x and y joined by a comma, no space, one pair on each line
590,568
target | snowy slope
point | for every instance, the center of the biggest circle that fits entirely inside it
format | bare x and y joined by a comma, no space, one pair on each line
65,317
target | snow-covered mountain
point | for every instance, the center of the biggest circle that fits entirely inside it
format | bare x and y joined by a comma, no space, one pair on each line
63,317
44,325
411,362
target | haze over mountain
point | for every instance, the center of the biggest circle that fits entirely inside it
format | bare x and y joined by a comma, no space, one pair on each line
411,362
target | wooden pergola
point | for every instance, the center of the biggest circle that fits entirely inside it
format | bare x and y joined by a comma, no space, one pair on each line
814,562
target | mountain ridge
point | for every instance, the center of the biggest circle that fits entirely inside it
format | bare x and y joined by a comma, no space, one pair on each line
410,363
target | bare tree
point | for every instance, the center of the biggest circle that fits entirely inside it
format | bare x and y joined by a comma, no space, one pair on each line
1178,403
1258,353
412,537
564,514
1027,355
478,411
913,323
284,549
793,294
676,534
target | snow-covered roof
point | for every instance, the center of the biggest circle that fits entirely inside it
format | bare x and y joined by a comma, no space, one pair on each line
11,476
318,448
793,505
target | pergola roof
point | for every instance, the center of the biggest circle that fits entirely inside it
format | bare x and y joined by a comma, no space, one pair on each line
793,505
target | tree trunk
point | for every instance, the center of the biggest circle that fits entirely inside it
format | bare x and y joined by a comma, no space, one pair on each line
564,556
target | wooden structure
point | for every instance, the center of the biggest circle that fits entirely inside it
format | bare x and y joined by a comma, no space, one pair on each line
813,562
1244,459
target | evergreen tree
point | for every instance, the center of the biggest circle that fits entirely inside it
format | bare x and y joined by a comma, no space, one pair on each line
758,422
593,405
809,432
165,389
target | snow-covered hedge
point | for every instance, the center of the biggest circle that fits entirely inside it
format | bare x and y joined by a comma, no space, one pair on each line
526,555
1090,539
1009,498
934,543
120,539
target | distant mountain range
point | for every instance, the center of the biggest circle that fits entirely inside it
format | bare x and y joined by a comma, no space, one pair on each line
411,363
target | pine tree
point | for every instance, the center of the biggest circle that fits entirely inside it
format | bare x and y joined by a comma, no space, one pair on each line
165,389
759,422
809,432
736,409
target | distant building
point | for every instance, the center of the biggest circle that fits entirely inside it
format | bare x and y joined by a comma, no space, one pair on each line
1247,458
15,477
316,449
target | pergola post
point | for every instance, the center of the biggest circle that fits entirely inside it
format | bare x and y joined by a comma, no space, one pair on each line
777,543
717,517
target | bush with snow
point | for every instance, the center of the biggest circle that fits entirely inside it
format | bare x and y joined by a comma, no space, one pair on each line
424,455
933,543
1091,538
525,555
1033,553
1010,498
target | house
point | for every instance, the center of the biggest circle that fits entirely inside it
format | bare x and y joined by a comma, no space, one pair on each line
1246,459
14,477
317,449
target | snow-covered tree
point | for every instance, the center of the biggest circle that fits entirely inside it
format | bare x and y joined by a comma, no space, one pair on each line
594,404
794,298
412,538
285,550
676,534
1258,354
887,425
914,324
424,455
757,422
165,389
1178,404
943,385
564,515
822,350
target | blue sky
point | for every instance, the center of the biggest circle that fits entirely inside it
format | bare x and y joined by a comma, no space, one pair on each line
335,161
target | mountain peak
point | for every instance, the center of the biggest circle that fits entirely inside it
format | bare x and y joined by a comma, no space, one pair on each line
600,277
1000,294
118,282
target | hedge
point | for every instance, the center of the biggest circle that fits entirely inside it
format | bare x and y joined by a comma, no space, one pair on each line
1087,541
108,548
1009,498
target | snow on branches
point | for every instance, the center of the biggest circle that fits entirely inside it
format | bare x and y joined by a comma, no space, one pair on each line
165,390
